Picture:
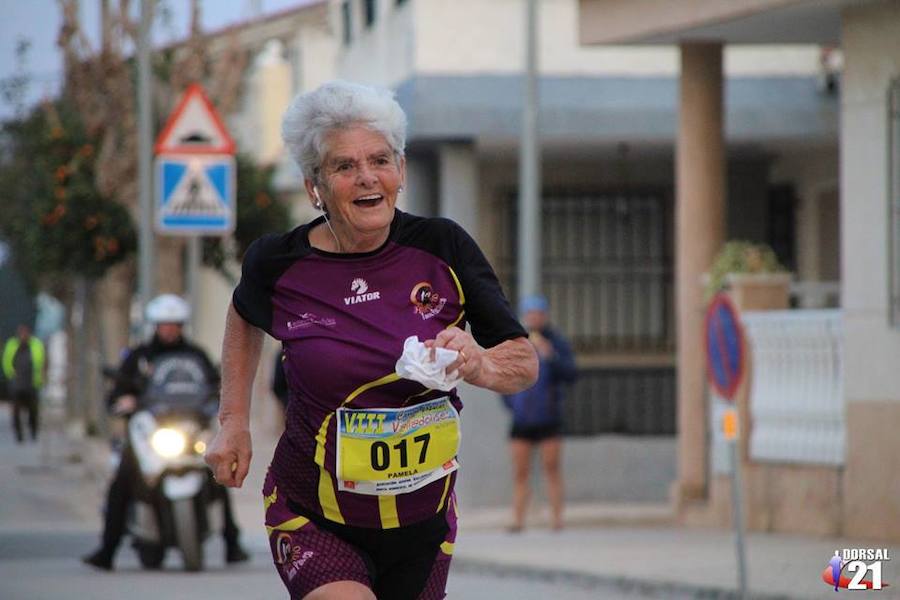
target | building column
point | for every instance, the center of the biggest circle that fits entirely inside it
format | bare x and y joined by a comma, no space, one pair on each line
700,233
458,200
458,191
419,188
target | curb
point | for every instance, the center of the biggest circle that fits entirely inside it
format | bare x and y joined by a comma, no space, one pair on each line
591,581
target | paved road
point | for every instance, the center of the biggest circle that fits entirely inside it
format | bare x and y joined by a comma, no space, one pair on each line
49,517
43,565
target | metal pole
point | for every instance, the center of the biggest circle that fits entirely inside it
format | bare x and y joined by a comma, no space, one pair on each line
146,267
78,408
529,263
738,515
194,253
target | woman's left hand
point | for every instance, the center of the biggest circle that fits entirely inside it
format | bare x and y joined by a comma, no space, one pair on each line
470,361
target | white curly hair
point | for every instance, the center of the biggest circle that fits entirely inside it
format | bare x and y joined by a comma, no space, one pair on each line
335,105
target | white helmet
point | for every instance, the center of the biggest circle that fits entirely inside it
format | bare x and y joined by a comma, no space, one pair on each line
168,308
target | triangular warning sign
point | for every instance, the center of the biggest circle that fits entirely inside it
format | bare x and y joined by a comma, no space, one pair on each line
194,127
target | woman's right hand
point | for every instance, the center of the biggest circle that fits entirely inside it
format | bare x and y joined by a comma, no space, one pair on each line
229,455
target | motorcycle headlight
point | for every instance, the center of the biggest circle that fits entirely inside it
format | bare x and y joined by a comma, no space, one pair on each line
167,442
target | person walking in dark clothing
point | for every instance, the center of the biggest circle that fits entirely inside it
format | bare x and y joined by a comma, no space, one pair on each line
25,366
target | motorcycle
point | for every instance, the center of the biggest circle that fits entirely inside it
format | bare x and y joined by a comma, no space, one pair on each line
175,493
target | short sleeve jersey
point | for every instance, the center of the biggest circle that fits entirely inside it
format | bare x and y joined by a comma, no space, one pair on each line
342,320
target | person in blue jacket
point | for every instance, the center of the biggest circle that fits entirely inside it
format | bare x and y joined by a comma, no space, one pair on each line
537,413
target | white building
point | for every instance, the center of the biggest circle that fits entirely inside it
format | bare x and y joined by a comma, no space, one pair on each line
609,129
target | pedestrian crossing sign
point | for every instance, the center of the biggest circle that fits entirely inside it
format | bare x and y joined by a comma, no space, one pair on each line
195,194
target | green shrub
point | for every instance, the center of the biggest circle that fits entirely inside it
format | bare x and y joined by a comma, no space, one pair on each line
741,256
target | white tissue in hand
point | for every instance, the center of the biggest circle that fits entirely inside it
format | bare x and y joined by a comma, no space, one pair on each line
415,363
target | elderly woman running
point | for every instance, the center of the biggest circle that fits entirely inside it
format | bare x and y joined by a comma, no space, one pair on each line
359,495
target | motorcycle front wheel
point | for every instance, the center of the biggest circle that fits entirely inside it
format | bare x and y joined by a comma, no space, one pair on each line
187,533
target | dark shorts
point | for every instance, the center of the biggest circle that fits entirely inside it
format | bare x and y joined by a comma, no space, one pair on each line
534,433
406,563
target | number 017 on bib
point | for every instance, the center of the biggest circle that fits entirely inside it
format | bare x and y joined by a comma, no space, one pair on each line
396,450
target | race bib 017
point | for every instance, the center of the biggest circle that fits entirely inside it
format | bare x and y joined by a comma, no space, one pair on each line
396,450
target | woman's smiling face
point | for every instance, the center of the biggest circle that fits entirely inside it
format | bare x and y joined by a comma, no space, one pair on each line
361,176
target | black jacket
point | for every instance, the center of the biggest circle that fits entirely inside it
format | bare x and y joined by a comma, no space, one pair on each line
134,371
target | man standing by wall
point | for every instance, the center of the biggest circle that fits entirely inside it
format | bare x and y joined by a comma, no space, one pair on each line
24,365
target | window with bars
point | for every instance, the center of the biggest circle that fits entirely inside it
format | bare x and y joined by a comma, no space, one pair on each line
607,271
621,400
606,267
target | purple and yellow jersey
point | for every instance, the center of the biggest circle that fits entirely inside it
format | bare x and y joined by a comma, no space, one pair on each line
342,319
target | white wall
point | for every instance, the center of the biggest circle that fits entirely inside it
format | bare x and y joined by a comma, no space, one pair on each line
382,54
270,88
208,322
316,52
475,37
871,42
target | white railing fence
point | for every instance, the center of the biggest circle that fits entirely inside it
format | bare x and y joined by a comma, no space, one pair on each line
796,398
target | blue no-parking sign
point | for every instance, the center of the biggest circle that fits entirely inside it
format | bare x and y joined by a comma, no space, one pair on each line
724,347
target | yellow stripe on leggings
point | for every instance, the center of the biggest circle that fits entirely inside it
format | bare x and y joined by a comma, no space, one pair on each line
387,509
447,548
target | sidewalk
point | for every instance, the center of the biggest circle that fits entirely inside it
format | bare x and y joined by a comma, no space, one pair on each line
666,560
627,546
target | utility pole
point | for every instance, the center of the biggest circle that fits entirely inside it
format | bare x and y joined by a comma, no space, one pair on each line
146,266
529,247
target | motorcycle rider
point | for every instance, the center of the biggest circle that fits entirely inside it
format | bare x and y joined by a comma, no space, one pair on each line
168,313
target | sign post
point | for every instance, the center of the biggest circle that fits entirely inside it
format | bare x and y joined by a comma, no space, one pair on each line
195,178
726,363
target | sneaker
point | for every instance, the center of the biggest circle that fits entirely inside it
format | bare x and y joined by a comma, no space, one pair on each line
235,554
99,559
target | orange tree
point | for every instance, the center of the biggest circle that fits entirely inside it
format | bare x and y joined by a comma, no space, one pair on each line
56,221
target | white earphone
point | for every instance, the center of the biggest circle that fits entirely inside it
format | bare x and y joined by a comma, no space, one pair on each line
318,199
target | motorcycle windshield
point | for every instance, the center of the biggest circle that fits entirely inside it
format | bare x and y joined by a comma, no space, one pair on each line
178,381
